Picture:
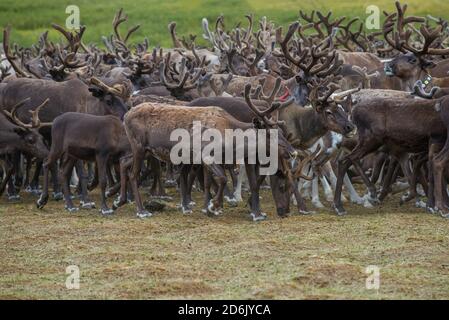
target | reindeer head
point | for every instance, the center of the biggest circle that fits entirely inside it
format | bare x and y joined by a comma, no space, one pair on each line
263,122
115,99
180,78
329,105
28,138
312,61
413,58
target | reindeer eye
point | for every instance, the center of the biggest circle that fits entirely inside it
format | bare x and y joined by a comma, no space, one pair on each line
329,112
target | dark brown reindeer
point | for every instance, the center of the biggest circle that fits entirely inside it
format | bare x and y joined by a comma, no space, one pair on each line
77,137
400,125
16,136
68,96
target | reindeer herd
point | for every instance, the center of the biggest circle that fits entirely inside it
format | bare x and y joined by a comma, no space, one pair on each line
348,105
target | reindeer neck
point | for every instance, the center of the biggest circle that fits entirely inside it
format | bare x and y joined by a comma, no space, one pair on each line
290,83
306,124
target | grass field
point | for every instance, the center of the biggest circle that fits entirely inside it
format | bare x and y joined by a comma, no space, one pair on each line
175,256
171,255
29,18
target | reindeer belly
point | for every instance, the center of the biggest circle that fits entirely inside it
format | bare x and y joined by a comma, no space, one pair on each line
82,153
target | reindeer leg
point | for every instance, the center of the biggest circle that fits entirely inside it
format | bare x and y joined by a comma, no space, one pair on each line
170,180
183,183
370,185
12,183
138,156
411,177
229,195
207,178
251,172
57,194
281,196
125,165
43,199
238,187
434,148
219,176
102,165
66,168
9,171
195,172
440,162
157,189
28,167
364,146
85,203
315,193
326,186
94,183
34,183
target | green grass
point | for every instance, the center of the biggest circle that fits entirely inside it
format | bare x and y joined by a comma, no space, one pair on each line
29,18
171,255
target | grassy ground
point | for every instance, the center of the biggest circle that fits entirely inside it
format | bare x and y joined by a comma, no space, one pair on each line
175,256
31,17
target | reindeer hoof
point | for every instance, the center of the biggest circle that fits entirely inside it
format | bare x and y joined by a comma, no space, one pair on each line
358,201
165,197
116,203
14,197
317,204
41,202
444,215
33,190
71,209
186,210
57,196
87,205
259,217
374,201
143,214
339,211
211,208
169,183
107,211
232,202
420,204
431,210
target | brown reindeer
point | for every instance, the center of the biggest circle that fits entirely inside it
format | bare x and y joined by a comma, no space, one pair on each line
412,64
76,137
149,125
16,136
402,126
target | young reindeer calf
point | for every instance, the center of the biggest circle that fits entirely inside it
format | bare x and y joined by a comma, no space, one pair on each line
79,136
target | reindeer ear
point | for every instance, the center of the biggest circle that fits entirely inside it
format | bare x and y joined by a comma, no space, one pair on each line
428,64
257,123
318,107
96,92
20,131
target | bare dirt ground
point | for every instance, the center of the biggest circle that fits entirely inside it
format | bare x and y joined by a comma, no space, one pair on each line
171,255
